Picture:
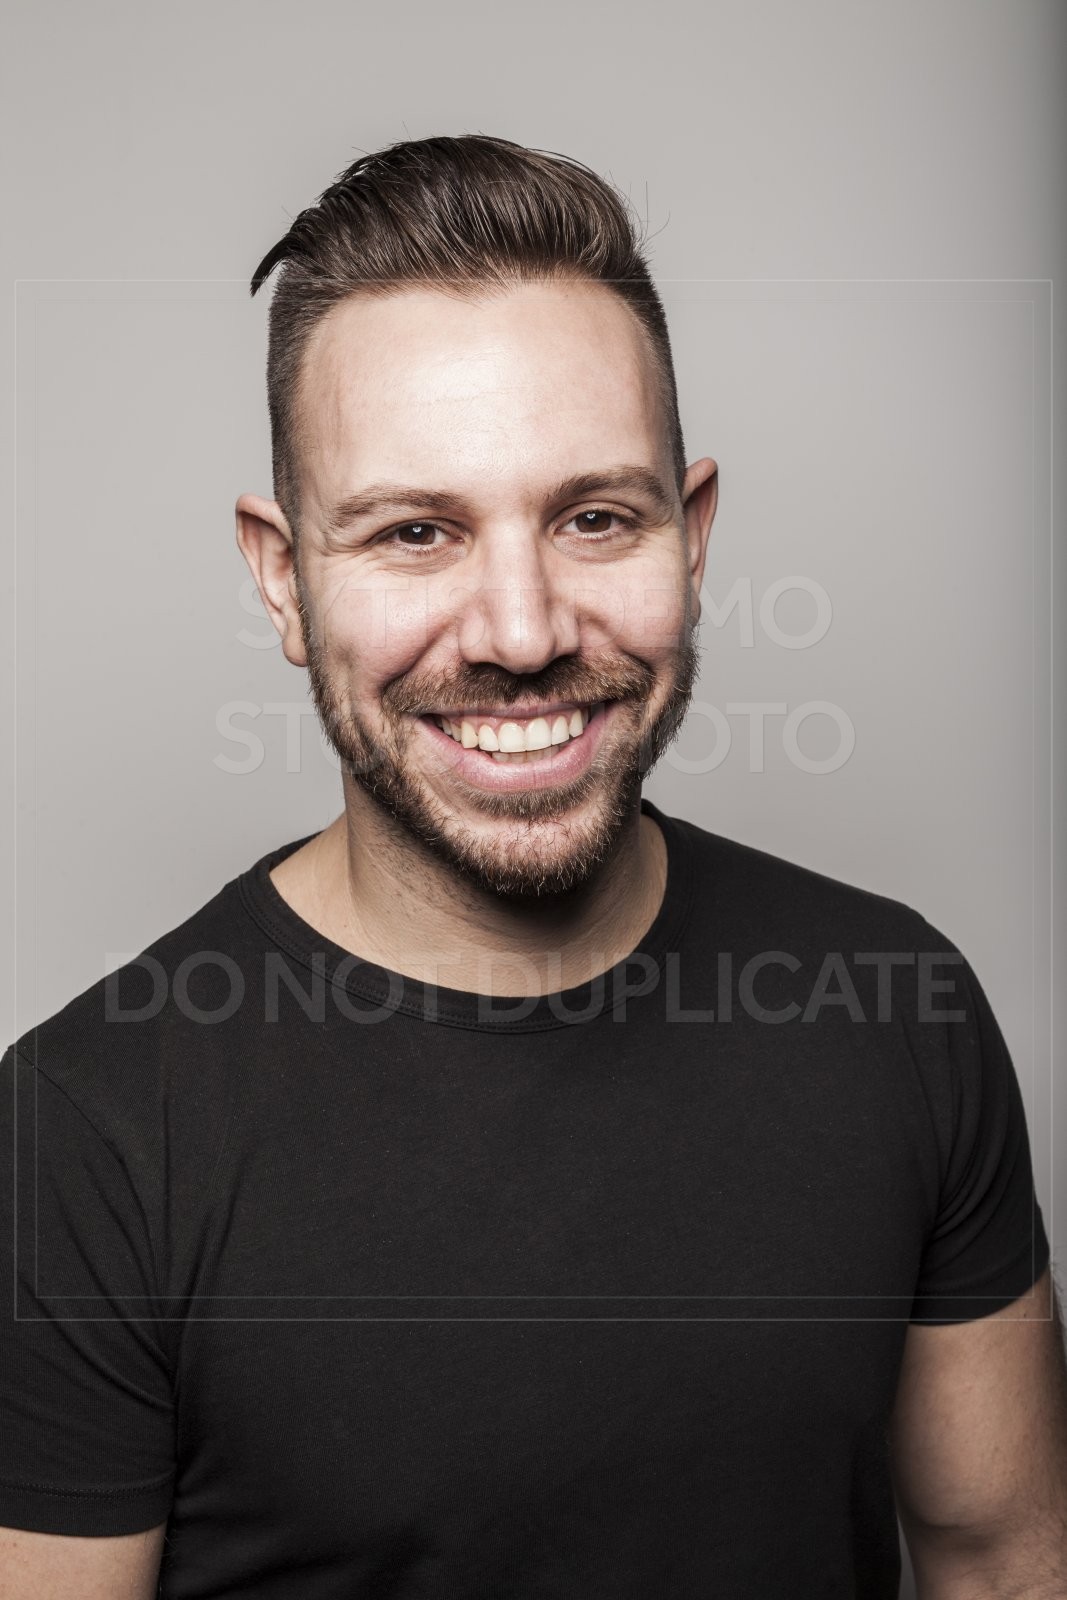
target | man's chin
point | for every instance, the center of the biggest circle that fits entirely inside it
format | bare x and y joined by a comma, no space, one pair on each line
529,845
531,860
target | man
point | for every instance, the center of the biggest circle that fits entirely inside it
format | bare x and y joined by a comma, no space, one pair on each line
512,1190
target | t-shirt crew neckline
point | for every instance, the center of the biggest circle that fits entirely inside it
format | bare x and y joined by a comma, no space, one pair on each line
386,992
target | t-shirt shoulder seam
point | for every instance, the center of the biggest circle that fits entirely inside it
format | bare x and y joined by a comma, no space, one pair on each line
110,1145
60,1088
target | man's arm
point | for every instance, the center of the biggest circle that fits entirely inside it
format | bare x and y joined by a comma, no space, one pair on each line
53,1566
978,1446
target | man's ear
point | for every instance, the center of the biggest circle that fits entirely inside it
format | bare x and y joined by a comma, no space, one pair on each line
266,542
700,497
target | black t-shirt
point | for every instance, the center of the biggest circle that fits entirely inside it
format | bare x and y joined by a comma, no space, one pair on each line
374,1289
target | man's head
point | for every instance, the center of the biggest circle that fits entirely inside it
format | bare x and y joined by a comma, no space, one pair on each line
482,505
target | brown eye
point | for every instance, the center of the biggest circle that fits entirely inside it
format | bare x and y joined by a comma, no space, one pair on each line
422,533
594,521
599,525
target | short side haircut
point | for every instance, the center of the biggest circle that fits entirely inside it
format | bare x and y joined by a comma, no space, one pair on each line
459,214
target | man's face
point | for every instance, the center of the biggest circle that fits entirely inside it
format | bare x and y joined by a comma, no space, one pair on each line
498,651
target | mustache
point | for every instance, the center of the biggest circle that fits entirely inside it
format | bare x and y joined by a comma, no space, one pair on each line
572,678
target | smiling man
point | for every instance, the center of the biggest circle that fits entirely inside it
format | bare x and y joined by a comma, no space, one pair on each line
512,1190
499,670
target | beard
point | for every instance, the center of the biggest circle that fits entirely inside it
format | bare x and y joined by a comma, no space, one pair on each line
543,847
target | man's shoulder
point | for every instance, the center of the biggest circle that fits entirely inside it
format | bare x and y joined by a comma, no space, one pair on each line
120,1024
779,899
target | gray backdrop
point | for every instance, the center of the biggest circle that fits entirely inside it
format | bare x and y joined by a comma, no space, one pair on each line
857,219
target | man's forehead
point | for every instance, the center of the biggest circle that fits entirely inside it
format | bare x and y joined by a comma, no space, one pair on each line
541,381
444,345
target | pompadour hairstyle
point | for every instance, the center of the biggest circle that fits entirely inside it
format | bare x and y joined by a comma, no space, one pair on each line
458,214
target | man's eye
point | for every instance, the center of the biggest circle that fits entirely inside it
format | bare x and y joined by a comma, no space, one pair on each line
597,522
414,535
594,524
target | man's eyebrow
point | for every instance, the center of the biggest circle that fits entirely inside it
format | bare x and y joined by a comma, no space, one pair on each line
379,497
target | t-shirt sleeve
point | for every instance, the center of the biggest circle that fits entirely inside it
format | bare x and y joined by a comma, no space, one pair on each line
87,1434
987,1245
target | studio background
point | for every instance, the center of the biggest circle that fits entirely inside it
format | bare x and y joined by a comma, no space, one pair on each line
857,229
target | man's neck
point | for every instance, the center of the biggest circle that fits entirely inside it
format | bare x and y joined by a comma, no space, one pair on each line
373,890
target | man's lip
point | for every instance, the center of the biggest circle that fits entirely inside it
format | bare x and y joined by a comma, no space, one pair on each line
554,708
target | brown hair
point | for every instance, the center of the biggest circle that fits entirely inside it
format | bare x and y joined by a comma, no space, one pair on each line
455,213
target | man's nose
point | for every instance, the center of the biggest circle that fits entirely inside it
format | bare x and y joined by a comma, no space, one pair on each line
517,608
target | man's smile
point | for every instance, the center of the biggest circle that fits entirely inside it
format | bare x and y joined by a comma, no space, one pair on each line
501,751
508,732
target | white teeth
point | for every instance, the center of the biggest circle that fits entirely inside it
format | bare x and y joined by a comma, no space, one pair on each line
514,739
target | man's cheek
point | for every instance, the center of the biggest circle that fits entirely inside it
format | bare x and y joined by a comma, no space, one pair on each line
657,615
604,612
391,620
